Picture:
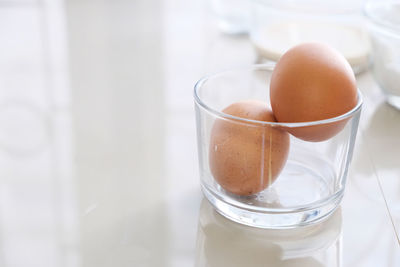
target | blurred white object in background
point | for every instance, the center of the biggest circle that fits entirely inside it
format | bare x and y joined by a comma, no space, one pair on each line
233,16
384,25
279,25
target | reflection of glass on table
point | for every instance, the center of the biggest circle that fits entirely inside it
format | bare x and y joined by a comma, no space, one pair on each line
221,242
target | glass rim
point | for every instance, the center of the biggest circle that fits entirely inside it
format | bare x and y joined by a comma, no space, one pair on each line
389,26
268,67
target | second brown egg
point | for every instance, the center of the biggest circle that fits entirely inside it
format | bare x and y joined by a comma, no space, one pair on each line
247,157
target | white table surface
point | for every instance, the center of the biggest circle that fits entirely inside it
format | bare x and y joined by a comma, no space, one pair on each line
98,160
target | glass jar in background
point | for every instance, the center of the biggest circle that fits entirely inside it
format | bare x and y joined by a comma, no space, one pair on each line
384,26
233,16
306,188
279,25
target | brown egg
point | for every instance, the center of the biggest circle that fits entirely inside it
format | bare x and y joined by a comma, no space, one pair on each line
245,158
311,82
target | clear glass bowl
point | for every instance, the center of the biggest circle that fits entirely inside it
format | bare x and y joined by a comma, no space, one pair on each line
311,183
384,26
279,25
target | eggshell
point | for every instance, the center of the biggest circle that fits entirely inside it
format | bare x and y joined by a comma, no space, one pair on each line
245,158
311,82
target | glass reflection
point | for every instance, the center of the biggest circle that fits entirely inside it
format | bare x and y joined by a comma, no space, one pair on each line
221,242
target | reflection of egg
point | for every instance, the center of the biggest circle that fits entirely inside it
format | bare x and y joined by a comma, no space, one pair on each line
311,82
245,158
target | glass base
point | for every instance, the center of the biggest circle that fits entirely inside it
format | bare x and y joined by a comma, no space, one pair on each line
273,220
270,208
394,101
233,26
